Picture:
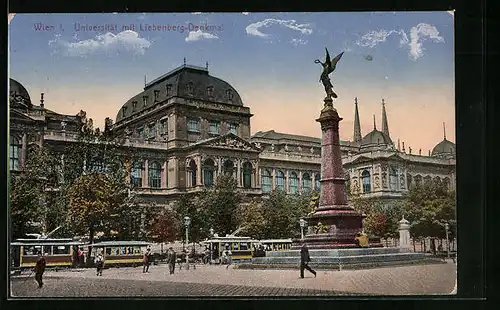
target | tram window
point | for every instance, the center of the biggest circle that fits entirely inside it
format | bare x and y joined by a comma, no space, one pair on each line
115,251
244,246
235,246
60,249
108,251
28,250
123,250
137,250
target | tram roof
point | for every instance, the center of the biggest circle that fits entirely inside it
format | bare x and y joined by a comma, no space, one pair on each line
120,243
45,242
276,241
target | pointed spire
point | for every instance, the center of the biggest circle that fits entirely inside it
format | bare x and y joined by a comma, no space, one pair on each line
207,65
357,125
374,124
184,60
399,146
444,130
420,152
41,100
385,127
404,147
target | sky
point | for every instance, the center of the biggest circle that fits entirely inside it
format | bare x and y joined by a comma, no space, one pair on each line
96,62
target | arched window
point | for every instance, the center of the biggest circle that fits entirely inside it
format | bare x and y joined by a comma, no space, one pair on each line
247,175
280,180
154,175
367,185
193,168
14,153
228,167
267,181
437,181
136,175
418,181
294,183
317,183
208,172
409,181
306,182
393,178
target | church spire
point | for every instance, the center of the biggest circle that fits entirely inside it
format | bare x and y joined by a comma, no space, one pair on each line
357,126
444,130
374,124
385,127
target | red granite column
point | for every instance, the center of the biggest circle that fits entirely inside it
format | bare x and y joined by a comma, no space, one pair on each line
333,188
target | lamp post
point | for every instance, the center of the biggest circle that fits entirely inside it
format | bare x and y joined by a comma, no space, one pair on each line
446,228
211,247
187,221
302,225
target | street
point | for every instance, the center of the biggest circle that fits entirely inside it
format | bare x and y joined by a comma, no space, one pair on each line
219,281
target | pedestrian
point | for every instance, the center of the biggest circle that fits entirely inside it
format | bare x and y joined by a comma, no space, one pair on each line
171,258
228,256
40,269
145,261
304,261
99,262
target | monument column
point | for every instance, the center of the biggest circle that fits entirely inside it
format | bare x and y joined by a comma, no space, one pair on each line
404,234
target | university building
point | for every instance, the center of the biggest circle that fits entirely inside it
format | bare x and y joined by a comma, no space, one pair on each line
189,127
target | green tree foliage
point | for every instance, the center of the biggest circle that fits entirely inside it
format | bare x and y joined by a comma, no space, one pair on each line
253,219
222,204
193,207
166,226
382,217
429,205
92,202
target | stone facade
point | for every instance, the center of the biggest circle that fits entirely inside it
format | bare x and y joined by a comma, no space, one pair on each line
189,127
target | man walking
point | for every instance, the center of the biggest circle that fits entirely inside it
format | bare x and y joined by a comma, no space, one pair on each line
145,261
304,261
99,262
171,258
39,269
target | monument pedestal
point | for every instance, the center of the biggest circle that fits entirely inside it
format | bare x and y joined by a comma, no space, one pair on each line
339,222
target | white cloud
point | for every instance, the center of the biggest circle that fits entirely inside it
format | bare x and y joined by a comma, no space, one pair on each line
418,34
296,41
253,29
125,41
199,35
374,37
11,16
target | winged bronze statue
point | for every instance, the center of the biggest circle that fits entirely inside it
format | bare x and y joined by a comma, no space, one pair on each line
328,67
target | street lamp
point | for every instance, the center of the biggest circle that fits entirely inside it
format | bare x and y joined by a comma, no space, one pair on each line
302,225
187,221
211,248
447,227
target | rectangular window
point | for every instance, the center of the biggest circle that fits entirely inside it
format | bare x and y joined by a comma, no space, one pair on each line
164,126
60,249
134,105
193,125
124,111
169,89
152,131
233,128
145,100
156,92
142,132
214,128
14,157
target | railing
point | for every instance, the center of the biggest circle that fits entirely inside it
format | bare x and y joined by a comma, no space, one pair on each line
314,159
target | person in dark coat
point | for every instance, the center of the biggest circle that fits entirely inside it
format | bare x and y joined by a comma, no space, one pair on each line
145,261
40,269
99,263
304,261
171,258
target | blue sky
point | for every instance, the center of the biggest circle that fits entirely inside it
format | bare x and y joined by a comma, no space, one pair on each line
268,58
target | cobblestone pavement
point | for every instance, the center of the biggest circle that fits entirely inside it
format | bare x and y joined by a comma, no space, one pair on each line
209,280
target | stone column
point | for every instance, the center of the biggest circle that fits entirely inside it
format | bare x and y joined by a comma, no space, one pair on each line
274,178
145,179
404,234
258,176
219,165
287,181
238,172
333,188
164,174
24,149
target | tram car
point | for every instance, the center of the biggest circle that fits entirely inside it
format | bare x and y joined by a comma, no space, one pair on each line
57,252
241,248
120,253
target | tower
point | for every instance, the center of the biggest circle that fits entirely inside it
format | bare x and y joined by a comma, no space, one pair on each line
357,125
385,127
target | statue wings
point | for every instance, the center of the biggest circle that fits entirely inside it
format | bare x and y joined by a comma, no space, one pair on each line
330,65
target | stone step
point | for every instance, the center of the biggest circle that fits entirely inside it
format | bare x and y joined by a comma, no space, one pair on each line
338,252
342,260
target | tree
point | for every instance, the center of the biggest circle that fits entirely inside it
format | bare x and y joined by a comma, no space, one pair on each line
192,207
221,204
382,217
282,213
92,202
427,207
253,220
166,226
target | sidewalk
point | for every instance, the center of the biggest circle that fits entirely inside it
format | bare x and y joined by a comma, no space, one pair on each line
406,280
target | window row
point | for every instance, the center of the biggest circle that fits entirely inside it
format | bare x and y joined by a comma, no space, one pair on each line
194,125
209,173
150,131
293,179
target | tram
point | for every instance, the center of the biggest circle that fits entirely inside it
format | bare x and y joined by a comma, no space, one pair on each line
241,247
120,253
274,245
57,252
